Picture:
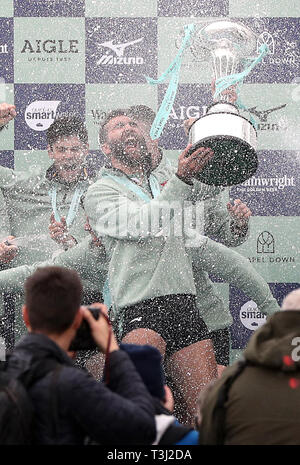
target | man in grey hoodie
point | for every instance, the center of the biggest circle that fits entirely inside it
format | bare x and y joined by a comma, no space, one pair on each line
228,225
150,272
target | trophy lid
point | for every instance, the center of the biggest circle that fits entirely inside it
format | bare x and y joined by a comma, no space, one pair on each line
228,35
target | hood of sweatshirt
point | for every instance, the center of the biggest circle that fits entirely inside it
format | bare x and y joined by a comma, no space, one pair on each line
276,344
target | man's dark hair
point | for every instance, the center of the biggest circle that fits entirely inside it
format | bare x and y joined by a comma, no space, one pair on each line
112,114
142,113
52,296
67,126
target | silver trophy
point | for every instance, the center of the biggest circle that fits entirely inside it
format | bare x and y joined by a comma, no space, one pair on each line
231,136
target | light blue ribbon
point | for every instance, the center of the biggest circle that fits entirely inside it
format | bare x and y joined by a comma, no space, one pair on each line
173,71
154,185
237,78
227,81
73,206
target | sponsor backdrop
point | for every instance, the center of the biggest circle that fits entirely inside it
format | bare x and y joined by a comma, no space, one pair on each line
62,57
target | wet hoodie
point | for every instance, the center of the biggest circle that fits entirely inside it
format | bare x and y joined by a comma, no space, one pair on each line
29,209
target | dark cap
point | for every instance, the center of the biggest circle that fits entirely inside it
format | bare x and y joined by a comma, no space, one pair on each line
148,363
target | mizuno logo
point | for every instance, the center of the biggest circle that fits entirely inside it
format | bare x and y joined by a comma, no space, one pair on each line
136,319
119,49
113,60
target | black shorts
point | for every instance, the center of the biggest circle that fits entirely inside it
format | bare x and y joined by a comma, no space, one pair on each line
221,342
174,317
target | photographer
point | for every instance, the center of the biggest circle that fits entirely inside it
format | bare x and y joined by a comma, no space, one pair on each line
83,407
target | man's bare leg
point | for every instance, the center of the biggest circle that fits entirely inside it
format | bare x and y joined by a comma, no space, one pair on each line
143,336
190,368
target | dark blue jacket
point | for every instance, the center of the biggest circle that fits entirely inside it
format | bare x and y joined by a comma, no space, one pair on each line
120,414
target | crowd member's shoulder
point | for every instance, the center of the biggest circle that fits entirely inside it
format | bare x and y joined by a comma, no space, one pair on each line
74,380
23,179
212,403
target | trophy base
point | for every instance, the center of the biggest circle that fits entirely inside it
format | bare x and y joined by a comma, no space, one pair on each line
234,161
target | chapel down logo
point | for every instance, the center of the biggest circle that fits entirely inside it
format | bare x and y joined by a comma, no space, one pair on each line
265,38
265,243
118,57
266,251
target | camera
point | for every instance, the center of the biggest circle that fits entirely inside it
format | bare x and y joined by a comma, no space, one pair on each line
83,339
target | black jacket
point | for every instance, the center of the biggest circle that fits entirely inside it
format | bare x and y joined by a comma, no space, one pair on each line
120,414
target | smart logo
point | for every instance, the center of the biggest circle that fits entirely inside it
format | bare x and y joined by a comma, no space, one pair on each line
266,38
40,114
251,317
119,57
296,351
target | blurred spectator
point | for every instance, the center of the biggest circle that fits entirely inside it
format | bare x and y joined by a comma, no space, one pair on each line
228,225
257,399
69,404
200,402
148,362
